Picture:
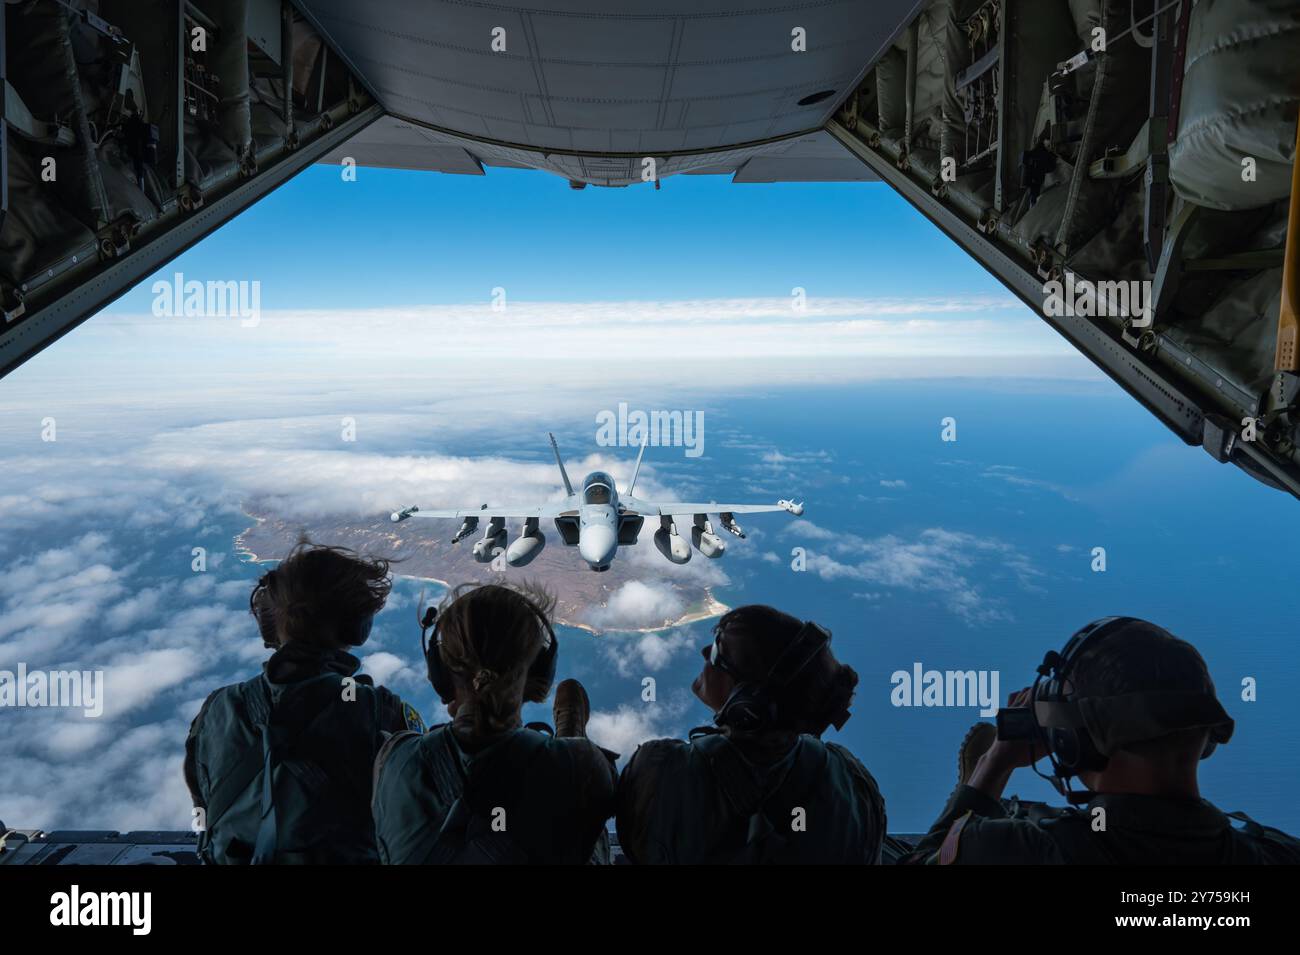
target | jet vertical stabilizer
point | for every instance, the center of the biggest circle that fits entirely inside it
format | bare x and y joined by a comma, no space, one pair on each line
637,468
568,487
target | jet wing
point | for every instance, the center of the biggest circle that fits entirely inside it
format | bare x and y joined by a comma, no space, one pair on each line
515,511
511,512
675,508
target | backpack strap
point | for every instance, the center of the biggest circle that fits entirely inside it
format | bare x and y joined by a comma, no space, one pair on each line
504,773
391,743
441,746
805,773
750,796
265,845
735,776
256,697
1267,834
1251,827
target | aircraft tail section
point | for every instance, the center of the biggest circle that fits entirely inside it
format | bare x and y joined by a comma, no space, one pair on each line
568,487
637,469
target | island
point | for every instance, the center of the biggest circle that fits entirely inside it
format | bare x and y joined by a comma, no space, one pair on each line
420,550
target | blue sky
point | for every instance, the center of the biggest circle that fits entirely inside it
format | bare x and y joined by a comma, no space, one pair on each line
403,238
397,271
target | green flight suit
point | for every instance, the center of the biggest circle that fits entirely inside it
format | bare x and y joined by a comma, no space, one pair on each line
739,798
975,829
317,735
521,797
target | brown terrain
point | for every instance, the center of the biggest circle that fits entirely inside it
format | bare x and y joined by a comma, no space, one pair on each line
422,550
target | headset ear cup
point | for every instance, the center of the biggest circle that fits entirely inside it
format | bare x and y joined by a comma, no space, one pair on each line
362,633
739,711
439,675
1065,750
260,606
746,709
1075,753
541,674
265,617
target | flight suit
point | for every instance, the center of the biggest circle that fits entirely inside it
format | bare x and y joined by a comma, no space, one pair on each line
975,829
749,798
520,797
279,766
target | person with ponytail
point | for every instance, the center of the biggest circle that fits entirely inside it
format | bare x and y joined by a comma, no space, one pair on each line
760,786
279,766
486,788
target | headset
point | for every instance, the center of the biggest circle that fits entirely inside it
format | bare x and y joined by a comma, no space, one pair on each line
1080,733
753,705
541,672
261,606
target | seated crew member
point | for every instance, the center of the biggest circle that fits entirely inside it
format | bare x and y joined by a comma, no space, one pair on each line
279,766
1130,710
762,787
485,788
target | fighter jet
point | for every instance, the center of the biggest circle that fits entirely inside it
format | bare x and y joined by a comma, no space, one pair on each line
597,521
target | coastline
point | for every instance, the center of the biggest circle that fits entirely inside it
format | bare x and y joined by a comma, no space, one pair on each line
712,608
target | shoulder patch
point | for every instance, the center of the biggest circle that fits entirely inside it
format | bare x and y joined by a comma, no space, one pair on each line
948,851
412,717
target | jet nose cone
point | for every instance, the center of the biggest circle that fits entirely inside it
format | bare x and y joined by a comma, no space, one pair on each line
596,545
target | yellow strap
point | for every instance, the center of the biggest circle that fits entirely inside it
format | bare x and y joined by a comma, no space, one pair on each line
1288,321
951,842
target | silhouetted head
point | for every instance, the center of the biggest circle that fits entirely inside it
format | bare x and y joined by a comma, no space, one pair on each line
751,639
320,596
1142,657
488,637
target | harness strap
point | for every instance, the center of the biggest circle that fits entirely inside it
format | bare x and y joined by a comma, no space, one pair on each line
468,808
750,796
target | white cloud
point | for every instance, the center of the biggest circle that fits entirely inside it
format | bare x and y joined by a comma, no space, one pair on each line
388,669
657,651
740,327
1010,475
637,605
628,726
936,561
639,655
840,338
623,729
134,609
137,678
71,739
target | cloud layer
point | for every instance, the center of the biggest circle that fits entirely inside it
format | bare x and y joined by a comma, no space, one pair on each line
936,561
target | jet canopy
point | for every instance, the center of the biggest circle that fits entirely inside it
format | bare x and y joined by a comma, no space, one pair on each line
597,489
